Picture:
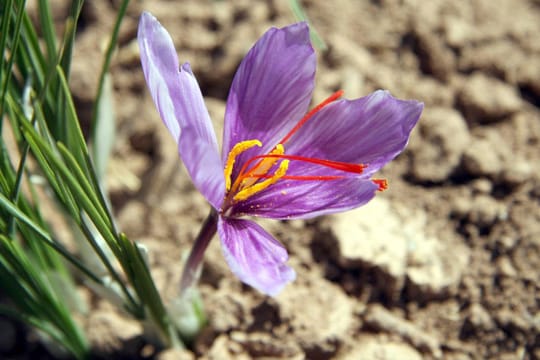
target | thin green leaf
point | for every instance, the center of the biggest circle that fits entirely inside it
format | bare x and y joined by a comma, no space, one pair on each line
69,36
47,27
141,279
74,137
82,181
84,195
20,171
7,70
79,151
35,295
7,205
32,51
61,190
105,68
5,9
105,130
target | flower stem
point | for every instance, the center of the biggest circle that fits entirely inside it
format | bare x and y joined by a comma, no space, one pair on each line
193,263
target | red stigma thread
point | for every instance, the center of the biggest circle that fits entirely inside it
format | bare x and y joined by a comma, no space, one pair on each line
310,114
338,165
382,183
304,177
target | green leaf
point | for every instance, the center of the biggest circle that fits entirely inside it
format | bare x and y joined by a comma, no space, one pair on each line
35,296
47,27
8,206
96,113
139,275
103,138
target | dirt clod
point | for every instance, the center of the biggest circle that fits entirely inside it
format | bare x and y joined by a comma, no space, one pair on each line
444,138
485,99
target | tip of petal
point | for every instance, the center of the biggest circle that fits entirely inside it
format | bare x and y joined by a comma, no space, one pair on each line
297,33
287,275
187,67
148,22
382,95
255,256
410,110
269,280
294,34
146,16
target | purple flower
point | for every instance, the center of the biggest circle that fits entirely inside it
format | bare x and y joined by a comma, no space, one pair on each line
278,160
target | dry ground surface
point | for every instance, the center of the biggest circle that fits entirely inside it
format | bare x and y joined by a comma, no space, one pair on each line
442,265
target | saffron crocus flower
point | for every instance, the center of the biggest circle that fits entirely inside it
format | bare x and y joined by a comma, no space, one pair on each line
278,160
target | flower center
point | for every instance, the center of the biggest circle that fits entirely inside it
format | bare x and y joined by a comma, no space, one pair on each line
254,175
248,182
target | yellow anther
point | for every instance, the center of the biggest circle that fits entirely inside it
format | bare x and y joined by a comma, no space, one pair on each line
258,187
231,158
262,167
279,150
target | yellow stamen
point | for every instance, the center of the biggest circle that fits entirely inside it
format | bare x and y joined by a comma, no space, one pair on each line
235,151
258,187
261,168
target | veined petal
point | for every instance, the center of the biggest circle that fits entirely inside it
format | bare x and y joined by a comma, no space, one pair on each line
371,130
254,255
160,66
271,89
203,165
179,101
294,199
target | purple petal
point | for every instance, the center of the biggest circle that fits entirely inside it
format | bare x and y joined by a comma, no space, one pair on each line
203,165
160,67
271,89
254,255
179,101
372,130
293,199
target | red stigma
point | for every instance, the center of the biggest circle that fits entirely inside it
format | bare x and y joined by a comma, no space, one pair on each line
310,114
382,183
338,165
305,177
